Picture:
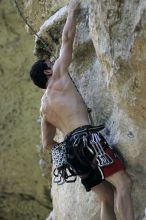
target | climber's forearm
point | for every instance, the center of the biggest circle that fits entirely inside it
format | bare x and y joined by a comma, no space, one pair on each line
70,27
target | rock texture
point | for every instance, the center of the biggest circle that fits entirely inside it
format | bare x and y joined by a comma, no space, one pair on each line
112,79
23,190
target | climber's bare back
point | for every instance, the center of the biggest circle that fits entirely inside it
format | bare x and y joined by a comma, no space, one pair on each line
61,104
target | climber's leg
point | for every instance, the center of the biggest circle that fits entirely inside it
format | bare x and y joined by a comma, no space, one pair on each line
122,183
105,195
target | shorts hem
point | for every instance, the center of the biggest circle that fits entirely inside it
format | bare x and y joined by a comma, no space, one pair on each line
88,187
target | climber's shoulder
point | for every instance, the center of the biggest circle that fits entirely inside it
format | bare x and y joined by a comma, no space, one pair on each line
60,67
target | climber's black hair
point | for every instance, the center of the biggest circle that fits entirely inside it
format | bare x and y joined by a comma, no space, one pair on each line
37,74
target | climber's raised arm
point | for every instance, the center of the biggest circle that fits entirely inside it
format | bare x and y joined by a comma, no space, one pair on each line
68,35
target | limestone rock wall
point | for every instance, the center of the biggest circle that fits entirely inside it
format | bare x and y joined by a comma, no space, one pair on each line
23,190
109,68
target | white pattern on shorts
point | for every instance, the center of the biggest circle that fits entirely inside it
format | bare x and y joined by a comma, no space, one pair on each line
59,155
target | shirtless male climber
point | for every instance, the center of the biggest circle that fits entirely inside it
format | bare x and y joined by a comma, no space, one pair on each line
87,152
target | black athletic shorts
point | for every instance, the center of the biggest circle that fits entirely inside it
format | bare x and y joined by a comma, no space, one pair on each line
90,156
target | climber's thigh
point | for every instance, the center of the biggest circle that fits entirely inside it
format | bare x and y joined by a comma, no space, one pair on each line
120,180
104,192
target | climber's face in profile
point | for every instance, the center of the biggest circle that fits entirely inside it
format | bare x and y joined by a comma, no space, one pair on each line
49,71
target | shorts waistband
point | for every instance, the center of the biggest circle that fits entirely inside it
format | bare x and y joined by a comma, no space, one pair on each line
84,128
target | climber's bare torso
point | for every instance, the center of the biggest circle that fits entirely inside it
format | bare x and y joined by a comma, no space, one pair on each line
61,104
